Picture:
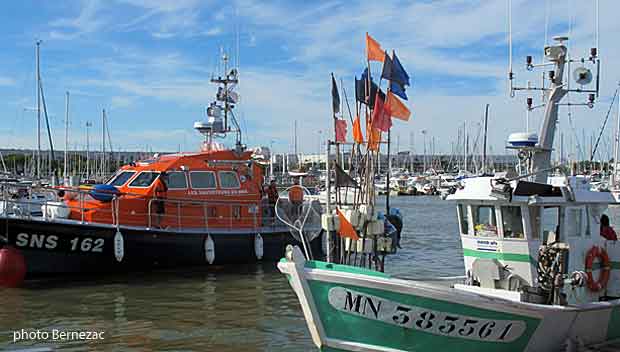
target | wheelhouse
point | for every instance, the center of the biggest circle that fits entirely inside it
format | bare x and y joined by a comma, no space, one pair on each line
220,189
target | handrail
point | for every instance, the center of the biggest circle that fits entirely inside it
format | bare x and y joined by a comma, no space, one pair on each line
188,211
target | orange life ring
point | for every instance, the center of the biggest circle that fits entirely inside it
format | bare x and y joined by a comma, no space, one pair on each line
597,252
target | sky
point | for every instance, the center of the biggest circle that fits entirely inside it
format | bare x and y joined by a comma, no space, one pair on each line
148,63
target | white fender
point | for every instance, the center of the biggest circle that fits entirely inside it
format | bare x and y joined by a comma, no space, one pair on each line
258,246
119,246
209,249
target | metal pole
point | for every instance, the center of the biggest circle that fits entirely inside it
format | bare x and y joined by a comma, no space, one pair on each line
103,166
387,194
88,125
38,172
328,195
484,149
65,170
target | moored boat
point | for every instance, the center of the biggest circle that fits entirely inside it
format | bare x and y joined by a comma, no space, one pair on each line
196,208
541,266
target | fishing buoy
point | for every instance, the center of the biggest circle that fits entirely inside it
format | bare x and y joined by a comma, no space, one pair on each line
119,246
12,267
258,246
209,250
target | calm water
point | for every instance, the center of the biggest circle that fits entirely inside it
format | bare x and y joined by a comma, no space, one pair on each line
248,308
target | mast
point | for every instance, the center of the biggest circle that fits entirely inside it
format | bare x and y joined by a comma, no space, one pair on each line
65,172
38,168
88,125
103,158
541,160
484,148
616,147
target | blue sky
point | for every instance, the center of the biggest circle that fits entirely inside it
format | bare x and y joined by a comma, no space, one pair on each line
148,63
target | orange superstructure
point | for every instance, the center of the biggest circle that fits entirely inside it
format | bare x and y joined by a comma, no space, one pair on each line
219,189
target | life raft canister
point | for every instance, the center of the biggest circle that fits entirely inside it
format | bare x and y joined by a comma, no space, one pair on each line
601,283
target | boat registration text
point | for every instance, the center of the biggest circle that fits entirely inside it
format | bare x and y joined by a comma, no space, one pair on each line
424,319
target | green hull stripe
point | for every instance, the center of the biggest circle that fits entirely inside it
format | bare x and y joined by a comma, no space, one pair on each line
349,327
512,257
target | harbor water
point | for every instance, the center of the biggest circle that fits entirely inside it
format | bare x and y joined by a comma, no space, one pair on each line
233,308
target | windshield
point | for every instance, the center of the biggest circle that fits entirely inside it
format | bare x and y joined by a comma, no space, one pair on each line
145,179
121,178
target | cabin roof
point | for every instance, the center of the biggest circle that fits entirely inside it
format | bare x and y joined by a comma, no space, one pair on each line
559,190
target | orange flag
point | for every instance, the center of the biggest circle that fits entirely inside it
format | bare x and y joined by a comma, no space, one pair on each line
397,108
346,229
373,49
373,136
358,137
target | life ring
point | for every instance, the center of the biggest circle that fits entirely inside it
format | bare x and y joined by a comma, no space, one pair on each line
597,252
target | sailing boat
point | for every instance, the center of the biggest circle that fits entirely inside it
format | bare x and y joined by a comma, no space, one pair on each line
538,275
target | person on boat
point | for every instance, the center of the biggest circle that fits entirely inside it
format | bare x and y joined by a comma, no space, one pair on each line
296,197
606,230
272,195
161,190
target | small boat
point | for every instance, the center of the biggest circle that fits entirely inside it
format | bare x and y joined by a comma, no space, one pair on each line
184,209
539,274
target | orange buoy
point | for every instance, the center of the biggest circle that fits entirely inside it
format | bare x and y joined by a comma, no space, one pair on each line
12,267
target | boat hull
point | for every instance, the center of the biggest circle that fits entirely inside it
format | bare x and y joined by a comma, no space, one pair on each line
65,248
353,309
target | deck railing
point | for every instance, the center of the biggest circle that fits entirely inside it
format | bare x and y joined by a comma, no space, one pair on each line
34,201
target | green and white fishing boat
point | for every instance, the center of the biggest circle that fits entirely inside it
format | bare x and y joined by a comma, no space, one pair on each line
539,275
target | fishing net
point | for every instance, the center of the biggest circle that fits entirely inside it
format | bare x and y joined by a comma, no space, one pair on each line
302,216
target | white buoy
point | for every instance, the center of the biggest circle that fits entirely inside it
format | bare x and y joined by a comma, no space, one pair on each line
119,246
209,249
258,246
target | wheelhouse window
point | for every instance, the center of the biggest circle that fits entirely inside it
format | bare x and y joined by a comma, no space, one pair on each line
202,179
121,178
228,179
573,222
550,224
485,223
144,179
463,223
176,180
512,222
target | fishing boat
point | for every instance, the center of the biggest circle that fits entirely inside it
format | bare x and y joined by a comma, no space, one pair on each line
539,275
183,209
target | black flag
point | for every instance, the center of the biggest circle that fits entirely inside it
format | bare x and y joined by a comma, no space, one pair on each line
343,179
335,96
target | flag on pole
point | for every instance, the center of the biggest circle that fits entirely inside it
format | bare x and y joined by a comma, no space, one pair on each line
394,71
346,228
373,136
341,130
335,96
358,137
373,49
396,107
343,179
361,93
381,115
398,90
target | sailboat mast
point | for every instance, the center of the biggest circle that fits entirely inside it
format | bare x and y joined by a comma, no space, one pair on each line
88,125
103,161
616,146
65,172
38,168
484,148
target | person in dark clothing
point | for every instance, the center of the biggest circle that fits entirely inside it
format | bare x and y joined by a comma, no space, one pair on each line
272,195
606,230
161,190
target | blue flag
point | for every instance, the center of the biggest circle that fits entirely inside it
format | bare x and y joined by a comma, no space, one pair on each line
398,89
398,72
